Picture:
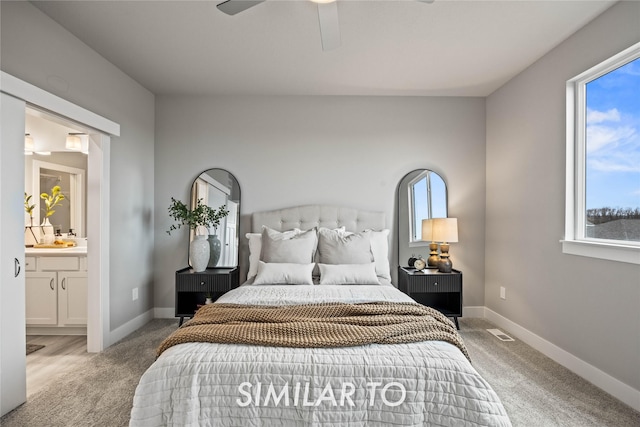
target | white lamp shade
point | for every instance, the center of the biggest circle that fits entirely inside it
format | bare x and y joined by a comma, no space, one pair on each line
445,230
73,142
28,143
427,230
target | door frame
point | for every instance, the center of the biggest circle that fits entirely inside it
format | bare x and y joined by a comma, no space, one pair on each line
100,130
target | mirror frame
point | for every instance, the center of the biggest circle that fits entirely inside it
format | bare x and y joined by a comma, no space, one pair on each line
405,216
233,194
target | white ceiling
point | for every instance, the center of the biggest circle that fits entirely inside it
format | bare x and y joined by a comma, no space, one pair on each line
391,47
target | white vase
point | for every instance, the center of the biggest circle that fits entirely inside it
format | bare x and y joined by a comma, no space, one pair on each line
199,253
47,232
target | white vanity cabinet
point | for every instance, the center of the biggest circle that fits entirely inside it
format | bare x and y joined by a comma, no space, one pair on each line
56,294
41,298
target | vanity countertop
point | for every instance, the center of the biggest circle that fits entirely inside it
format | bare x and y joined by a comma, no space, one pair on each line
76,250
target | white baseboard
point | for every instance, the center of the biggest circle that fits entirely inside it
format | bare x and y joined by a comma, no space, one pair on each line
131,326
473,311
606,382
164,313
56,330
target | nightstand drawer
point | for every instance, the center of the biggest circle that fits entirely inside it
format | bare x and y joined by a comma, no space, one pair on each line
203,283
193,288
434,283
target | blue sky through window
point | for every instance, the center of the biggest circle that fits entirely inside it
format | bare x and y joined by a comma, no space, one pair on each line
613,139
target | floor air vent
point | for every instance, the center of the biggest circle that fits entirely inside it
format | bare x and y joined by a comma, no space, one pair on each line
500,335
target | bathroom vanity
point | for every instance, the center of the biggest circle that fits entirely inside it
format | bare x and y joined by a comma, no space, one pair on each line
56,291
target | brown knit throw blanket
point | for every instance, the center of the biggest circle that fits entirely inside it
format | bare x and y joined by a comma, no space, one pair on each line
316,325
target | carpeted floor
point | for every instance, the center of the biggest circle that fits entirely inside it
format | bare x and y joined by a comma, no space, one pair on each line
535,390
100,391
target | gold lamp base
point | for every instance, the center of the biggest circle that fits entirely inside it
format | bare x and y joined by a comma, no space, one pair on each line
444,265
433,259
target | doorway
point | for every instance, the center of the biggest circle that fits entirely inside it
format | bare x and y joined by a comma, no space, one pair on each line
56,277
87,214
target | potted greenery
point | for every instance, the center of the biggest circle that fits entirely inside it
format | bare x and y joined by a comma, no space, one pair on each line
30,236
208,298
199,219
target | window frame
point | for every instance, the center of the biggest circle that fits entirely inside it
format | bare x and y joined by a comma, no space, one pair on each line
575,241
412,202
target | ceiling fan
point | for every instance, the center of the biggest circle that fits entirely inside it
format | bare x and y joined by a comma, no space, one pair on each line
327,17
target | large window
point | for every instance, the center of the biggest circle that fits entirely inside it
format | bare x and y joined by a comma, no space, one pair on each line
603,160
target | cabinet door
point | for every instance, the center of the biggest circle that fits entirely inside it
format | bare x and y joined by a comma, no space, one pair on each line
41,299
72,298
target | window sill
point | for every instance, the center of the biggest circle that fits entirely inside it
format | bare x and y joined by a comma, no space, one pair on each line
612,252
418,244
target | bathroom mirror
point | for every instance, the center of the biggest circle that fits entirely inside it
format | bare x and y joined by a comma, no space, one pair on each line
70,213
421,194
218,187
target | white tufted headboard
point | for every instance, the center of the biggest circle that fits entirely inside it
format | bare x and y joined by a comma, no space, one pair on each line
309,216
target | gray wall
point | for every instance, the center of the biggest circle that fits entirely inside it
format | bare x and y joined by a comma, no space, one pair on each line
586,306
37,50
350,151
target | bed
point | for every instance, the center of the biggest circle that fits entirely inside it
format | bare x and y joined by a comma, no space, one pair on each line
378,383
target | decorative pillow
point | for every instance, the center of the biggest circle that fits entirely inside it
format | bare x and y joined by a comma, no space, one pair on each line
380,250
348,274
284,273
255,248
340,231
299,249
338,248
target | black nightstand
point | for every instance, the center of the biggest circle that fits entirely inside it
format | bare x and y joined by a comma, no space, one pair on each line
192,287
442,291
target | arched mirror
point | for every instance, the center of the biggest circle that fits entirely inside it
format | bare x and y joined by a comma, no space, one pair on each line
422,194
218,187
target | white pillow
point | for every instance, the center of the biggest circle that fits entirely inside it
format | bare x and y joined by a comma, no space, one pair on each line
348,274
340,231
380,250
283,273
255,248
298,249
344,248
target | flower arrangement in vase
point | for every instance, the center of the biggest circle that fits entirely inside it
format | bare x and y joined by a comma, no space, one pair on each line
200,218
50,201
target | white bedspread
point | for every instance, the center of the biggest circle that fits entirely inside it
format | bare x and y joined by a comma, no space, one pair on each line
418,384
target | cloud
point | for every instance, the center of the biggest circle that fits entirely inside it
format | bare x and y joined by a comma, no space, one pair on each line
594,116
615,165
599,136
613,143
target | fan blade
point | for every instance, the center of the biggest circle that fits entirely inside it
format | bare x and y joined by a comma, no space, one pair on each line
231,7
329,25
